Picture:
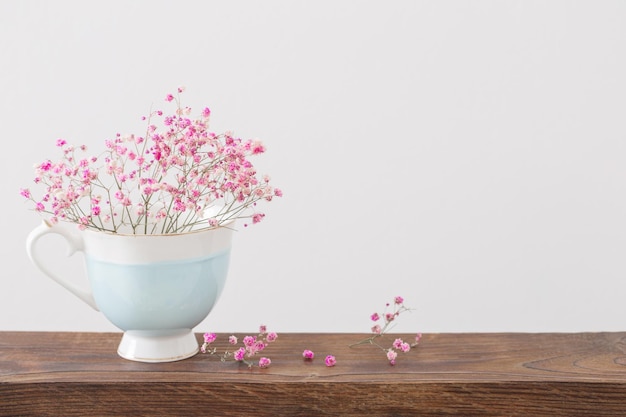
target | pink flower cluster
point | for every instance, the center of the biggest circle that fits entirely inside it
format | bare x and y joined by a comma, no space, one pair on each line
177,177
252,345
388,318
398,307
398,345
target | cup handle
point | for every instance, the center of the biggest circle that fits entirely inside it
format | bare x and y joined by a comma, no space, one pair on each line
75,243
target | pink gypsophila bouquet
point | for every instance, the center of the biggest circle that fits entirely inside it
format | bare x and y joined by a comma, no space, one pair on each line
177,177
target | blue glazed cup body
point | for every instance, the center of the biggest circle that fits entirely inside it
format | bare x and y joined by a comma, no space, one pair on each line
146,282
158,295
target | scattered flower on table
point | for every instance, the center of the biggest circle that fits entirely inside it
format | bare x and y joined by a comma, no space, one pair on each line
252,345
330,361
378,330
264,362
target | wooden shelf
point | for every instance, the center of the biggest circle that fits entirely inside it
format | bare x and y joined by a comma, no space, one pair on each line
493,374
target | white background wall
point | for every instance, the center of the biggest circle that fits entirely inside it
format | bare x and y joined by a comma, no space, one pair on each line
468,155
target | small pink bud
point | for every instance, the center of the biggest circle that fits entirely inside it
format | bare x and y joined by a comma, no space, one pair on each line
330,361
264,362
240,354
209,337
397,343
308,354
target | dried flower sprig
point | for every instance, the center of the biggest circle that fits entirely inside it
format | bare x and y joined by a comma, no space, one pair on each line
177,177
389,318
251,346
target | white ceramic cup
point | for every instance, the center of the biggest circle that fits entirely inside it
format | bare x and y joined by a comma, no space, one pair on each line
156,288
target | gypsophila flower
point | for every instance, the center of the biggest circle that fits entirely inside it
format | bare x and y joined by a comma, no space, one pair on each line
398,345
240,354
252,345
178,176
264,362
248,341
330,361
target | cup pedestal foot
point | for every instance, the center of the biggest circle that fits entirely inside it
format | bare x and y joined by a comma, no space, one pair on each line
158,345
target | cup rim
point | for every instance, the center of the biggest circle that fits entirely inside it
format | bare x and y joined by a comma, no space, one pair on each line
226,225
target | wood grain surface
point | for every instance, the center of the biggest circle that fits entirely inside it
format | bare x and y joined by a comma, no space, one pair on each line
498,374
